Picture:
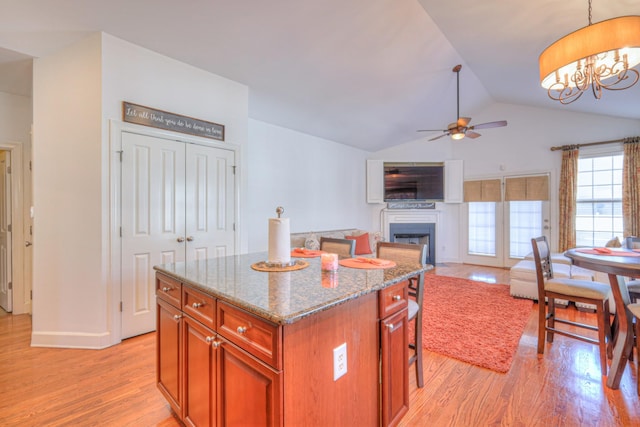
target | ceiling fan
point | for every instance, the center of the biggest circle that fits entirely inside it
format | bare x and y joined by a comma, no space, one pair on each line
460,128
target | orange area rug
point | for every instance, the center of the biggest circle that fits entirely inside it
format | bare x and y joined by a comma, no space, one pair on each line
476,322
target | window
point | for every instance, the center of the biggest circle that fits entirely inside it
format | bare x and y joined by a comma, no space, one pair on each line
599,200
525,222
482,228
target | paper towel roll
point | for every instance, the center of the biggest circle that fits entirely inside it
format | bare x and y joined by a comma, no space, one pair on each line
279,241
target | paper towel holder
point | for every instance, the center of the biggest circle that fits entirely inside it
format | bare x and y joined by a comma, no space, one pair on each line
279,212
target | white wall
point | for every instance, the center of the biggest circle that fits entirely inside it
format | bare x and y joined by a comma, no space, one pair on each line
77,92
15,118
321,184
520,148
68,285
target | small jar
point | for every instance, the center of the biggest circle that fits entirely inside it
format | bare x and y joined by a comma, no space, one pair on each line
329,262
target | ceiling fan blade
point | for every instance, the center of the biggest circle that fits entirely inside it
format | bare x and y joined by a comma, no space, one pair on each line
430,130
488,125
463,121
471,134
438,137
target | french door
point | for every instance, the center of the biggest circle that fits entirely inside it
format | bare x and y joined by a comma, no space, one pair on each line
498,234
177,202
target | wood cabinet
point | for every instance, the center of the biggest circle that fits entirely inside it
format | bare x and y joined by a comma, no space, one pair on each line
207,379
394,350
218,364
169,342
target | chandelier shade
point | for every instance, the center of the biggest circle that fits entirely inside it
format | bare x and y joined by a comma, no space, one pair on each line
607,50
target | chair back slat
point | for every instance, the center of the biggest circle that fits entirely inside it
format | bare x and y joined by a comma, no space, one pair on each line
343,247
542,257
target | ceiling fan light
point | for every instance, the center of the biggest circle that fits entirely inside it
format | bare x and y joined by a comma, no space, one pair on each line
457,135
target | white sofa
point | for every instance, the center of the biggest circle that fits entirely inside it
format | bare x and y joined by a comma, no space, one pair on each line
524,284
311,239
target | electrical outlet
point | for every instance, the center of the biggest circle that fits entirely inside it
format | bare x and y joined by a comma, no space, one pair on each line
339,361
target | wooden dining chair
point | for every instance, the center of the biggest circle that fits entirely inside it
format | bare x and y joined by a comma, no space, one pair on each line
635,310
633,242
343,247
406,253
584,291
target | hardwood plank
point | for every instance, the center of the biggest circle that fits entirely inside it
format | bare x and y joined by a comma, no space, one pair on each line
116,386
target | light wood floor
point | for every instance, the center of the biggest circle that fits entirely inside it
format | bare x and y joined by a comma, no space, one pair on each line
116,386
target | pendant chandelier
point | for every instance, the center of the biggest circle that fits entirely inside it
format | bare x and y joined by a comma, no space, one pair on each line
598,56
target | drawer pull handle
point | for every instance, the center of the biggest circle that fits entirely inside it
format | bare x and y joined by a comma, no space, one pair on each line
397,297
390,326
177,317
196,305
166,289
241,329
216,344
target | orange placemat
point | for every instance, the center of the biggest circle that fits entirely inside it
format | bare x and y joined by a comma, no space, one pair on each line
368,263
607,251
305,253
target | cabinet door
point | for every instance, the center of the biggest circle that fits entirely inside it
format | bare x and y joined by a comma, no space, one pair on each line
395,367
250,392
453,181
199,374
375,181
169,354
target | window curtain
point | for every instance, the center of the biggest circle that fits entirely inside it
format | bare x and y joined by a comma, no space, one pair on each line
568,188
527,188
630,187
488,190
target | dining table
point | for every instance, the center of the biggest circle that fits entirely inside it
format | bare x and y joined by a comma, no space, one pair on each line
617,263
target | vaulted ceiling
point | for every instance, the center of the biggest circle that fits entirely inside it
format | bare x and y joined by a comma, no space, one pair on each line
366,73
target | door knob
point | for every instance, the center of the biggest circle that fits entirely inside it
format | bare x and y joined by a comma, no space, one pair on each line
27,243
190,239
180,239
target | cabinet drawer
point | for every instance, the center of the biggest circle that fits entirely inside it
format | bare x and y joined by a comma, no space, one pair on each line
168,289
393,299
260,338
200,306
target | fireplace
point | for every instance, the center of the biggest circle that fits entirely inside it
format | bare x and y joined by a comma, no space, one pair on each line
417,234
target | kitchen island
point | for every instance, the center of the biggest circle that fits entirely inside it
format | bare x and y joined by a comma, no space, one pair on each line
238,346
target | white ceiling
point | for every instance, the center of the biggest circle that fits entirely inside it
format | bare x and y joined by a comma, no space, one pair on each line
366,73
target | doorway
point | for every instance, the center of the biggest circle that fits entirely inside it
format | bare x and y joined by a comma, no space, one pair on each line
15,229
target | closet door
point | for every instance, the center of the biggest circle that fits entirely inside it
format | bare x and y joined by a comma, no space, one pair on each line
153,222
209,202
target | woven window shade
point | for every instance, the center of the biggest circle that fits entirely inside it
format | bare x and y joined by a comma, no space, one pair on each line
527,188
487,190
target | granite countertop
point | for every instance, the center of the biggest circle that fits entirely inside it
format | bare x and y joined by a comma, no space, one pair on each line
283,297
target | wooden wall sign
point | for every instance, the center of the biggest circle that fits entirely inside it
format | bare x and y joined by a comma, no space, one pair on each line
146,116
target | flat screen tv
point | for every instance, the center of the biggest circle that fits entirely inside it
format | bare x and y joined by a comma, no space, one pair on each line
414,182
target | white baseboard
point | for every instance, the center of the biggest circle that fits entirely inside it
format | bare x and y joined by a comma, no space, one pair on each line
95,341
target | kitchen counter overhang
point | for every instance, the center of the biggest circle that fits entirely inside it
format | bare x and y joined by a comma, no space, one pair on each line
283,297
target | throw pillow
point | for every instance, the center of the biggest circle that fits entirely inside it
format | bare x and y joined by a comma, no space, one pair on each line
362,244
312,243
613,243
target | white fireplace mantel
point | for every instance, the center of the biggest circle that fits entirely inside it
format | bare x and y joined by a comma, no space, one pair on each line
409,216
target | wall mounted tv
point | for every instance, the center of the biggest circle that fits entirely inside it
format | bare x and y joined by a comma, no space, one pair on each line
413,182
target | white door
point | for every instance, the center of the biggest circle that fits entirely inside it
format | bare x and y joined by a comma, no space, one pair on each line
209,202
153,225
6,297
177,205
